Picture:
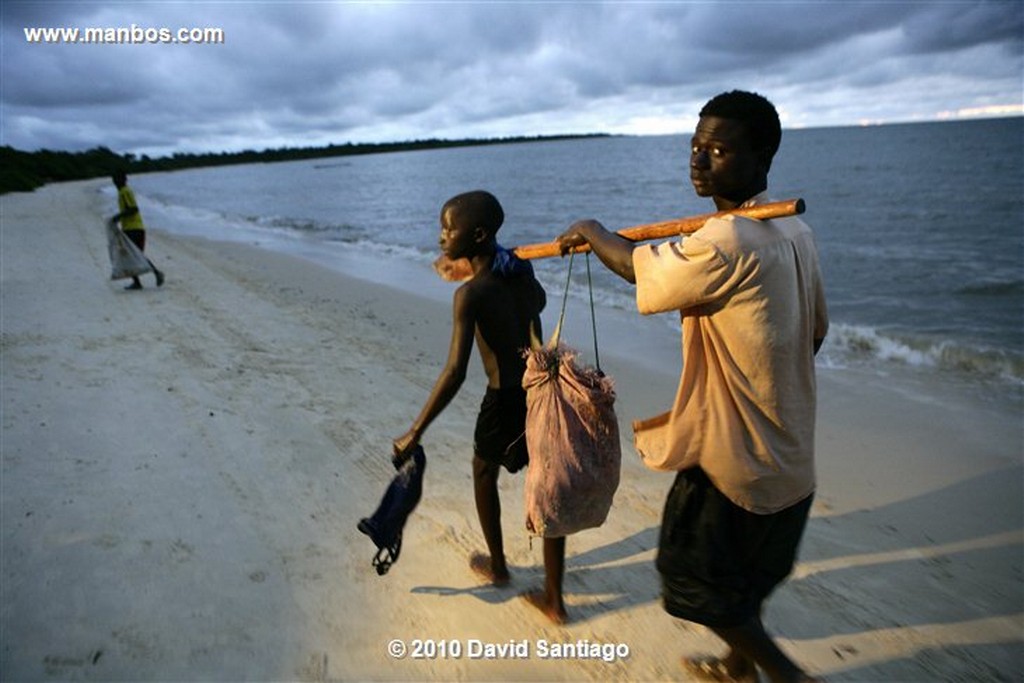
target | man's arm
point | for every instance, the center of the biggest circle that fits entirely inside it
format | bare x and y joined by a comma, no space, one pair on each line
453,374
615,251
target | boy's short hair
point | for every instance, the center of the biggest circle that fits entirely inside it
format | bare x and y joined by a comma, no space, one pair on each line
479,207
119,176
754,111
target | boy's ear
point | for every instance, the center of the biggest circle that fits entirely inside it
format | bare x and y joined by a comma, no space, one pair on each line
479,234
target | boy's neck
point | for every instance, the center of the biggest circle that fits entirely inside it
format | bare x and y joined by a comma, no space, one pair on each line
482,260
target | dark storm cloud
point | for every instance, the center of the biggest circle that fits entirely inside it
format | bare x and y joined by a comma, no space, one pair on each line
312,73
954,26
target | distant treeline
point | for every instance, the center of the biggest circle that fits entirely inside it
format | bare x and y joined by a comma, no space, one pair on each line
25,171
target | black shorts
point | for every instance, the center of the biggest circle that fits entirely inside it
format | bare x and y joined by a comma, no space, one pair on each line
138,238
500,434
719,562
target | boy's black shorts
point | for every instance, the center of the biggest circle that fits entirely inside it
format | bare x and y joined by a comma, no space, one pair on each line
718,562
500,435
138,238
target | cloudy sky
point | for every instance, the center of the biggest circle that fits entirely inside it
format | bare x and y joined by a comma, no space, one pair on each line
313,73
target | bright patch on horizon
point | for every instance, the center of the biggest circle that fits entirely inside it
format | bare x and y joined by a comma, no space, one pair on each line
975,112
990,111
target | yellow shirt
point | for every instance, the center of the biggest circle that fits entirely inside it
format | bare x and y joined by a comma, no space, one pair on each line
751,302
125,200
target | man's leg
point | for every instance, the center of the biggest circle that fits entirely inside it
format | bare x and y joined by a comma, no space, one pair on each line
750,642
488,509
706,535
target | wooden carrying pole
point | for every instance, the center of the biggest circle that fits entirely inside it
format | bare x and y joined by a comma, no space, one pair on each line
665,229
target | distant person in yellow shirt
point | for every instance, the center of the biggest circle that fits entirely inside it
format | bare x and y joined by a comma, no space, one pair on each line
130,219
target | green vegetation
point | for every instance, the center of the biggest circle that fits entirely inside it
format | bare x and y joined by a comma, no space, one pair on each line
25,171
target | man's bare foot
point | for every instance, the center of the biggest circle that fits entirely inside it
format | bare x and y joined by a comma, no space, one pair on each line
481,566
539,600
722,670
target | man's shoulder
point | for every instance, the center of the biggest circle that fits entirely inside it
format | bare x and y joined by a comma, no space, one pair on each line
718,233
730,228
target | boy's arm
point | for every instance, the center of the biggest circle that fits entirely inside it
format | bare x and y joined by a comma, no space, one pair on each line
453,374
130,208
130,211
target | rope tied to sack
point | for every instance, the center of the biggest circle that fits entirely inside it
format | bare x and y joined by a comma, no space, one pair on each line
561,315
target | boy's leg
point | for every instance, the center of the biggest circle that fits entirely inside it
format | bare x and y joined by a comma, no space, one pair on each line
138,238
488,509
554,570
157,273
549,601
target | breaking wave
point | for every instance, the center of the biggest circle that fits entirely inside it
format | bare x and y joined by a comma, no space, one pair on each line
862,346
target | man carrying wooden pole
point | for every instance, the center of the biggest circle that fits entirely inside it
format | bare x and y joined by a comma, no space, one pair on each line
741,432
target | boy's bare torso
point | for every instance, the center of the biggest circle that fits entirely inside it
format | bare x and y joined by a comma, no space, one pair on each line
504,311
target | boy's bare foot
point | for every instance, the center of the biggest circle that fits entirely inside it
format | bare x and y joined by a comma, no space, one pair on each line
539,600
718,669
481,566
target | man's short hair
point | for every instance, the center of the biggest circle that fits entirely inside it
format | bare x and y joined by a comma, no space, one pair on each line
479,207
754,111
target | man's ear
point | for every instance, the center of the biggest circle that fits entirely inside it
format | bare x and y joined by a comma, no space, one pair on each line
479,234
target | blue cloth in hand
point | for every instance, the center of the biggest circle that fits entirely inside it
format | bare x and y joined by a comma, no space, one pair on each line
385,526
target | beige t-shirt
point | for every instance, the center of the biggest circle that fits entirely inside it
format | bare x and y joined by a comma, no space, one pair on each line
751,300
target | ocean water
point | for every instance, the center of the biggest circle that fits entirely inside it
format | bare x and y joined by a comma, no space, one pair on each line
920,227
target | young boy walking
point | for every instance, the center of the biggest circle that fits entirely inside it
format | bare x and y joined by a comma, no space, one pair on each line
130,218
499,307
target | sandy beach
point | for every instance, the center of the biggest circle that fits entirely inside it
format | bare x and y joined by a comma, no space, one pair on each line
183,469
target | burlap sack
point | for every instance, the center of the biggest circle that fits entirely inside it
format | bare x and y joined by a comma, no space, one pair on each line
572,435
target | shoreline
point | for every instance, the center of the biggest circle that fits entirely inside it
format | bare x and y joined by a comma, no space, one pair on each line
183,469
850,346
